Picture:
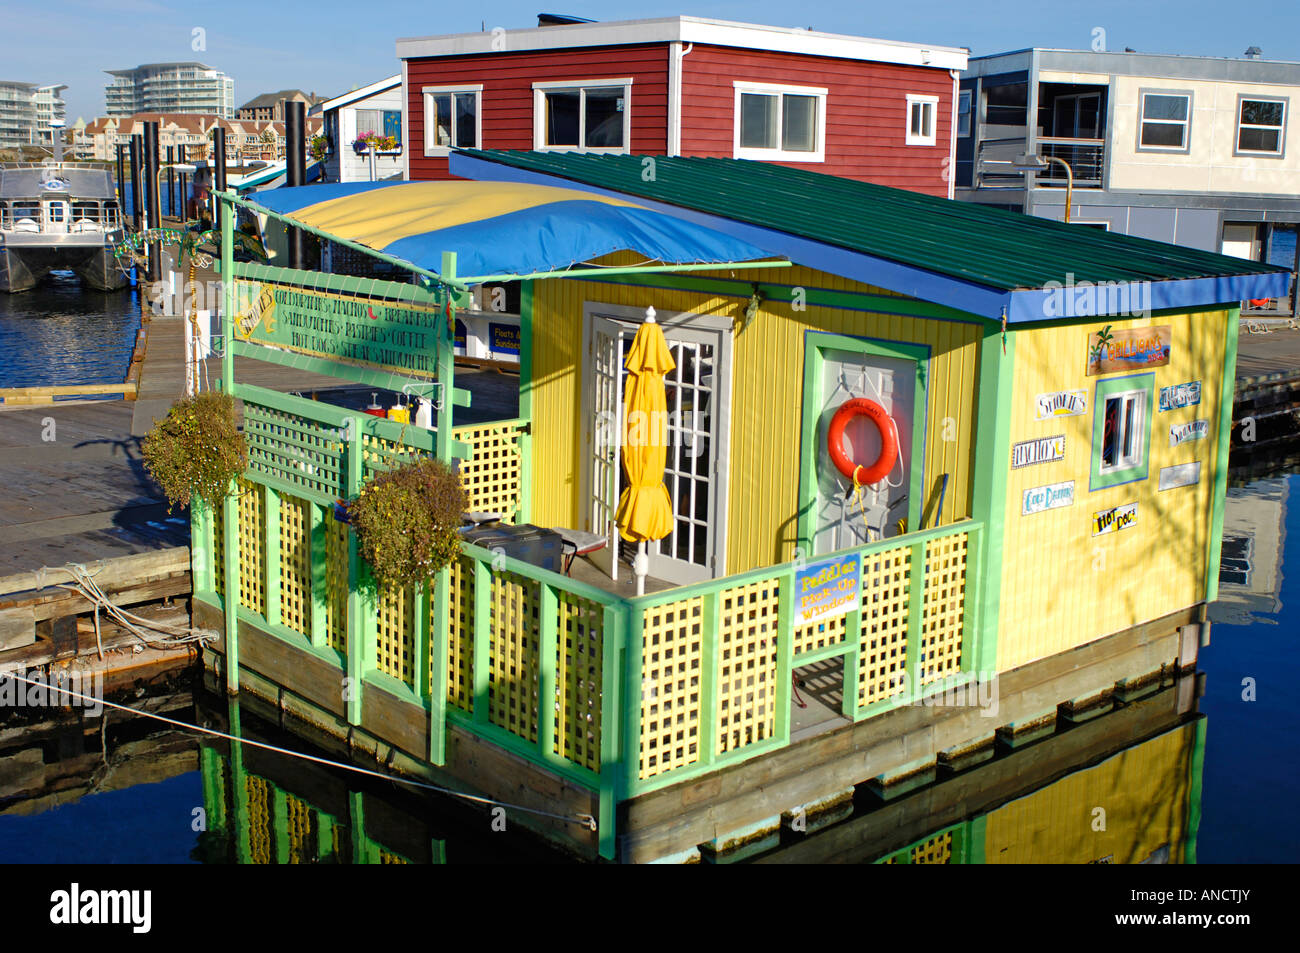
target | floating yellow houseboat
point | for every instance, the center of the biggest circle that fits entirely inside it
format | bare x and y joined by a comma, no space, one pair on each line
939,475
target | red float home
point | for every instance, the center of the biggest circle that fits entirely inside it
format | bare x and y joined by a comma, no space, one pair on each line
876,110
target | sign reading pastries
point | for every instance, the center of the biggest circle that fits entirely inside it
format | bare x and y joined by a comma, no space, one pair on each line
365,332
826,589
1040,498
1181,433
1044,450
1128,350
1114,519
1180,395
1184,474
1062,403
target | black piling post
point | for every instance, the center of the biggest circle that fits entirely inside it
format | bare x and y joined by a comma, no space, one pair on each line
171,182
151,185
121,181
137,199
218,173
295,173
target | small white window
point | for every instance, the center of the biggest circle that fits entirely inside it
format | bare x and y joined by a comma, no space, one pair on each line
451,118
587,116
920,120
1260,125
779,122
963,113
1123,445
1165,119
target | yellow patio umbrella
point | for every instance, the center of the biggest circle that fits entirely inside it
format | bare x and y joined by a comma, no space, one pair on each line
645,511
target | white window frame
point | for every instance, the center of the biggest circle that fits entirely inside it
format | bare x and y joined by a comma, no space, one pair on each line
1138,457
1185,123
580,86
780,90
1242,99
431,148
963,96
916,100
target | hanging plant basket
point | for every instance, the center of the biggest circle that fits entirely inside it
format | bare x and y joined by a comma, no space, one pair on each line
408,521
196,450
361,146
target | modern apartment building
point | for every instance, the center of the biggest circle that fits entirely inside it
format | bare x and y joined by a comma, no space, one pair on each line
1192,150
28,114
170,87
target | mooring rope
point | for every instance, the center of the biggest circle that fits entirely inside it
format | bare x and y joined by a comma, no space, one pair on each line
585,820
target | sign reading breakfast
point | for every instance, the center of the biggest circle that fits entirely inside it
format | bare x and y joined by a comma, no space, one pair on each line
1062,403
826,589
1128,350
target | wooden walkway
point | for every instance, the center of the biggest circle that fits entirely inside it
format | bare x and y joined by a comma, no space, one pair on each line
1274,350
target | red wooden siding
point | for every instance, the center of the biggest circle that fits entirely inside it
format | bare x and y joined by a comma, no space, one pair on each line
507,99
866,112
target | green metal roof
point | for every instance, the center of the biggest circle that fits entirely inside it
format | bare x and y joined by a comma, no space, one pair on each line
986,246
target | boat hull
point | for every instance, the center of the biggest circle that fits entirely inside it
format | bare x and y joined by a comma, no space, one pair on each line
23,267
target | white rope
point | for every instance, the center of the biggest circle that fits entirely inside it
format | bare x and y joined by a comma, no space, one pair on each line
584,819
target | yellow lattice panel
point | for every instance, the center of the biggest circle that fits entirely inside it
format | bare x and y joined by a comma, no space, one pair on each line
882,646
819,635
395,634
460,635
336,583
259,819
300,829
388,857
671,642
936,850
295,564
746,701
252,546
579,643
492,477
218,548
513,655
943,612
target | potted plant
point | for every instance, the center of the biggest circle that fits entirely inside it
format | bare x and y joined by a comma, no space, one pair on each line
386,146
408,520
320,147
196,450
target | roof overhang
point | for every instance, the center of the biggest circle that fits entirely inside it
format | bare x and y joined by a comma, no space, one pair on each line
379,86
1021,306
700,30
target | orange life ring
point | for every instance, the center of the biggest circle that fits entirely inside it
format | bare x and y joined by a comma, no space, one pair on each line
861,406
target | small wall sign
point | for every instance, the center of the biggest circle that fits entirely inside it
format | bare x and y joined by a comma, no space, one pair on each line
826,589
1044,450
1040,498
1114,519
504,338
1180,395
1127,350
1062,403
1181,433
1184,474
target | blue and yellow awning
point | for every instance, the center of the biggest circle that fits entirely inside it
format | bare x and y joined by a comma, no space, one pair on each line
500,228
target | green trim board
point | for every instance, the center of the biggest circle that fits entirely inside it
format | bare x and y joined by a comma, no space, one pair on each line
1107,388
1227,391
815,342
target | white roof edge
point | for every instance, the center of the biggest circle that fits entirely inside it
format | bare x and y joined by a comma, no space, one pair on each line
687,30
376,87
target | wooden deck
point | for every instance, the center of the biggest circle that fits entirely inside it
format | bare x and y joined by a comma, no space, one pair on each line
1274,349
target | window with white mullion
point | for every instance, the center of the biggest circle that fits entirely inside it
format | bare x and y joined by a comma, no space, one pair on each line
1123,446
774,122
584,117
922,112
451,119
1261,125
1166,121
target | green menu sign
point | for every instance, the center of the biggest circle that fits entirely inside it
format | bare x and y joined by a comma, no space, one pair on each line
392,336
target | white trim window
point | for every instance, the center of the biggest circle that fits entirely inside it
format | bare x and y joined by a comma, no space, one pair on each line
1122,445
922,112
453,118
1260,126
590,115
1166,118
779,122
963,113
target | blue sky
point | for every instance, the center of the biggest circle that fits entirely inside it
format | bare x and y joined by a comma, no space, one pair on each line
331,46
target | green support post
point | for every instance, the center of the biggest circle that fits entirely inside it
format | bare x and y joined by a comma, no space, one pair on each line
238,785
230,505
634,641
422,639
548,611
361,649
1227,390
612,655
1196,771
784,656
280,824
852,653
200,546
324,835
526,291
710,652
481,649
319,579
214,792
357,814
271,528
992,448
915,604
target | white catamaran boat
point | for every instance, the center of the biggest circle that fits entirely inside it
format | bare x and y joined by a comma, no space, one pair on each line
58,215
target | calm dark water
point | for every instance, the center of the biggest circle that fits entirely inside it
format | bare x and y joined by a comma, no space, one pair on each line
62,332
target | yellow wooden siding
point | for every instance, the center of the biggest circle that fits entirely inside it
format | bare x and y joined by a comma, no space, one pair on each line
1143,792
766,399
1062,587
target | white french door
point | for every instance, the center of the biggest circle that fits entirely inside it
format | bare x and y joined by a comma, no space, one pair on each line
697,391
